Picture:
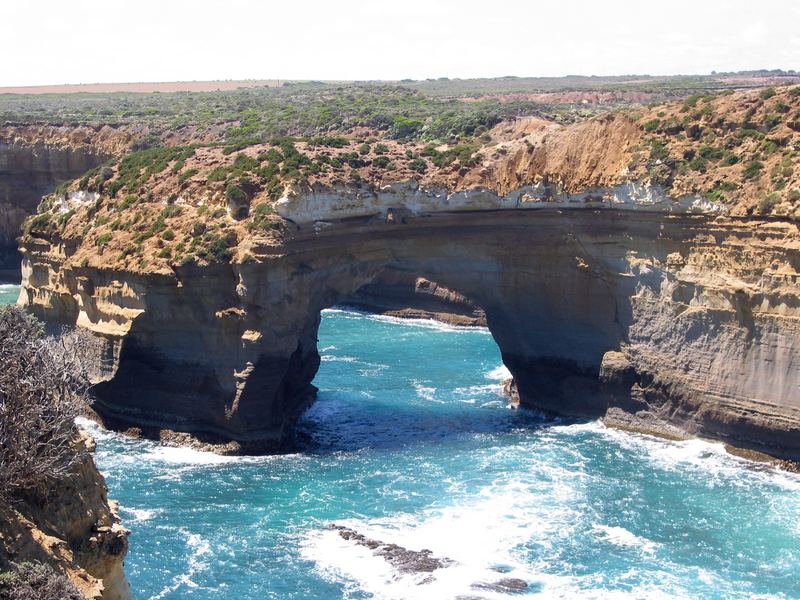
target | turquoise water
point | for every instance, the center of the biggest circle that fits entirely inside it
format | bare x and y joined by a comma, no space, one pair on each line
8,293
411,442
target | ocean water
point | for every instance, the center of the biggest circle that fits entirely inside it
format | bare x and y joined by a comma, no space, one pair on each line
8,293
411,442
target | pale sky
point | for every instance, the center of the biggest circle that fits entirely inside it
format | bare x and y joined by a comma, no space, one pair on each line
90,41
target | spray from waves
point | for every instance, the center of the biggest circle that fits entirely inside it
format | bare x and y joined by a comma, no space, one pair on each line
694,455
198,561
335,358
137,451
483,537
619,536
139,515
499,373
425,392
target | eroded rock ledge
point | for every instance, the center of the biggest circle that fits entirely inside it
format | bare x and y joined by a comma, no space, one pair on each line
76,531
679,320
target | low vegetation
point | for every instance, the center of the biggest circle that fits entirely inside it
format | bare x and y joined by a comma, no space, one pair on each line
43,383
36,581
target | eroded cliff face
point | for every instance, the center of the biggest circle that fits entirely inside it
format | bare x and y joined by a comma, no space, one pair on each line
669,322
76,531
33,161
639,266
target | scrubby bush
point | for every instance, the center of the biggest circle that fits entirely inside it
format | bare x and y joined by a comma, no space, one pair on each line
767,93
753,170
652,124
36,581
217,174
188,173
43,382
418,165
767,203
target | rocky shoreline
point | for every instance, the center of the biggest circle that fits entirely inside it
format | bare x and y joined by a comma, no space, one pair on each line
76,531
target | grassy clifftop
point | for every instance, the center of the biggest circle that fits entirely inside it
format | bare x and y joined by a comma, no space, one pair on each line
213,202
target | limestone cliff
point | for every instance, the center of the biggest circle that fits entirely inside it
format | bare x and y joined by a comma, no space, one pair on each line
75,531
617,280
33,160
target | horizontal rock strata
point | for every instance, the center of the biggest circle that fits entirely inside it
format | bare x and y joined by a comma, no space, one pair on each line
676,320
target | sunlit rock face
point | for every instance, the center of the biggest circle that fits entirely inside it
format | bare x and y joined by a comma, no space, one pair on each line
677,323
28,170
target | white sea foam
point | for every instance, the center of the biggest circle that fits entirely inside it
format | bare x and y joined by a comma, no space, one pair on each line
619,536
139,515
335,358
499,373
479,536
147,450
198,561
700,456
425,392
420,323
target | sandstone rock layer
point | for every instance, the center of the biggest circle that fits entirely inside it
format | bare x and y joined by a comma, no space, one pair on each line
675,321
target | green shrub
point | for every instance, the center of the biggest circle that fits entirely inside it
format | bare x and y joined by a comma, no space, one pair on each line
753,170
364,149
418,165
711,153
235,194
767,203
381,148
730,159
217,174
171,211
244,163
652,124
380,161
186,175
168,235
698,163
41,224
767,93
102,240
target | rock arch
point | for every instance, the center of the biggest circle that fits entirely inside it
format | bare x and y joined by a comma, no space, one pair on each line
595,312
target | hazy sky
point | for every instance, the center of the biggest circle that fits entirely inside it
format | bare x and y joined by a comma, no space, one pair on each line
88,41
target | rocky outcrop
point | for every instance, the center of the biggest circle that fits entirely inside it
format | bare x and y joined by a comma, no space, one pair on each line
75,530
675,320
399,294
620,263
33,161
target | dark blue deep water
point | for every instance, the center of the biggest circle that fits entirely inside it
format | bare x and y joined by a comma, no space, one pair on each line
411,442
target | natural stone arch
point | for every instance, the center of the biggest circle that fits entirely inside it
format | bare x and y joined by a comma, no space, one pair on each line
595,312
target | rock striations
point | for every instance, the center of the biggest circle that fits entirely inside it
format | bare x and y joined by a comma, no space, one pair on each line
655,298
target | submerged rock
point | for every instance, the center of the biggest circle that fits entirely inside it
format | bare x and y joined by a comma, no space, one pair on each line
404,560
508,585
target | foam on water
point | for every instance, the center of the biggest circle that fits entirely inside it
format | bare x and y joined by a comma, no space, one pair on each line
411,442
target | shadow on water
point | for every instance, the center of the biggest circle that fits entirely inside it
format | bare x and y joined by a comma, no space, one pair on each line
333,426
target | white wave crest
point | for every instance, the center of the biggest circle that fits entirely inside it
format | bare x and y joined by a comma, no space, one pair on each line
619,536
499,373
